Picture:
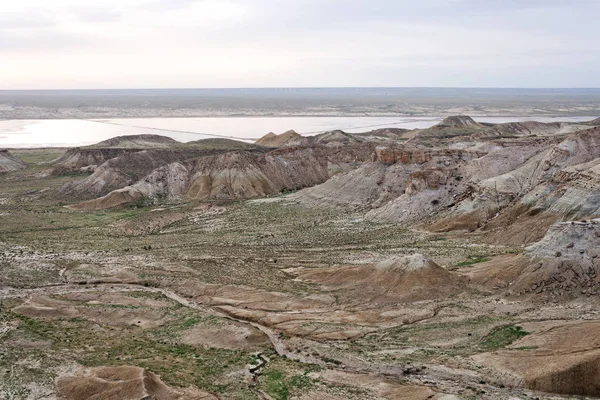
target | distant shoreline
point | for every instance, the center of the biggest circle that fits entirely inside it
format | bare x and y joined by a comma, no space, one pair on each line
297,102
417,117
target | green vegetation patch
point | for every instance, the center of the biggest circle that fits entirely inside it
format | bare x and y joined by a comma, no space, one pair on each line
471,261
276,385
284,379
502,336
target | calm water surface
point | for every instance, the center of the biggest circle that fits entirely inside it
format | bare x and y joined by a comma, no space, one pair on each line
77,132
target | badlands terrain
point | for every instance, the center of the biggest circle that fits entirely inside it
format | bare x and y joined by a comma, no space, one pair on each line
460,261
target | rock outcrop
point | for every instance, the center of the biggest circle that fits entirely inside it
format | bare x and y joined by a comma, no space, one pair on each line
8,162
87,159
565,262
393,172
540,182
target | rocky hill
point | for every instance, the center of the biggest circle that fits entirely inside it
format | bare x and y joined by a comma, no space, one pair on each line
78,160
223,176
136,142
397,279
87,159
126,169
458,121
273,140
530,128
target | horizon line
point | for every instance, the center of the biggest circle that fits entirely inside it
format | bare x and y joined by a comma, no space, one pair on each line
310,87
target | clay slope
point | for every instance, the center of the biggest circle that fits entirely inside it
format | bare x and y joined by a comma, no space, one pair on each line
537,184
527,128
398,279
86,160
371,185
513,189
394,171
125,170
235,175
561,357
386,133
561,184
8,162
122,383
273,140
594,122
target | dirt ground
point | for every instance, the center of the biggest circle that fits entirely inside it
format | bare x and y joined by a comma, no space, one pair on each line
270,300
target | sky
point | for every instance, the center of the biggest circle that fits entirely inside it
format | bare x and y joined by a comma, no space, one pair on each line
75,44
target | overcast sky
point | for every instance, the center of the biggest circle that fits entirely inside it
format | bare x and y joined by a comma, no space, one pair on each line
297,43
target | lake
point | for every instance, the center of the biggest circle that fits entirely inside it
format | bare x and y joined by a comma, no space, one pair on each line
80,132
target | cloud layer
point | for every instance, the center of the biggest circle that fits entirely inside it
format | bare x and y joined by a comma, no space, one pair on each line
269,43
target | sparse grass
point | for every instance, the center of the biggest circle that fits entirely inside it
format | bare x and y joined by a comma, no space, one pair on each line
38,156
248,243
157,349
427,340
